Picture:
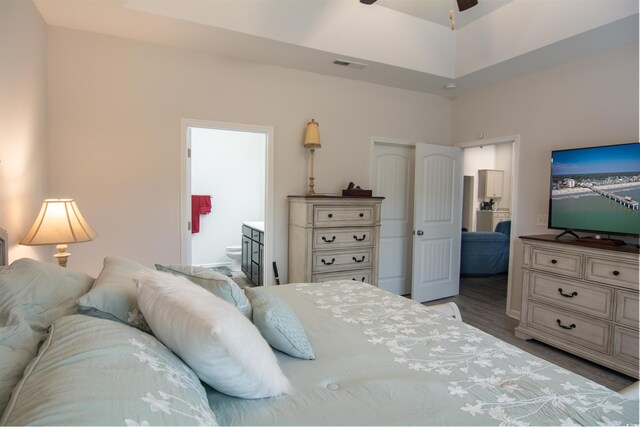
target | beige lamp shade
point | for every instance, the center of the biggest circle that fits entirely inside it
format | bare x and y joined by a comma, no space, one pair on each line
312,137
58,222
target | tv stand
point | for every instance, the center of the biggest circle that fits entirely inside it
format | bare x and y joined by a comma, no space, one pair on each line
583,299
596,241
568,231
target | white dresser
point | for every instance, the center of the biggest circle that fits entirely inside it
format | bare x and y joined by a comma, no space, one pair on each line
582,299
334,238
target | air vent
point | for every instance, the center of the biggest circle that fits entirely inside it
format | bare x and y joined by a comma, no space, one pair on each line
345,63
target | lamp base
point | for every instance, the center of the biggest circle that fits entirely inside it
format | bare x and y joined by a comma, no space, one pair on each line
310,191
62,255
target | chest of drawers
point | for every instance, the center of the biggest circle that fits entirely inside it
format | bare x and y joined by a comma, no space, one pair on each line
583,300
333,238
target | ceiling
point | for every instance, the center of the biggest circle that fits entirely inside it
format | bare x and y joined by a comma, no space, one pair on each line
401,43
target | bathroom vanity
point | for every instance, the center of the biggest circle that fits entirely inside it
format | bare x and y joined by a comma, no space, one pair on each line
252,251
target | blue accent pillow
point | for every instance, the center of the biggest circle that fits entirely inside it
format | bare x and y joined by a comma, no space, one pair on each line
278,324
218,284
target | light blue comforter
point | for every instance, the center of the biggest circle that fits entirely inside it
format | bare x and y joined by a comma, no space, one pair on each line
385,360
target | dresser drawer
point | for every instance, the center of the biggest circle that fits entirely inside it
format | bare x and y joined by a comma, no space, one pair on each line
625,345
590,333
329,238
612,272
341,216
501,216
627,309
356,276
576,296
557,262
341,260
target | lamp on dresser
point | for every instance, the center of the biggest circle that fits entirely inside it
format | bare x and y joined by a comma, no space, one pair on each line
312,141
59,223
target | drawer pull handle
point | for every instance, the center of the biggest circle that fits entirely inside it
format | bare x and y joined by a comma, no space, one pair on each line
324,239
330,215
616,273
364,236
573,294
361,215
358,260
328,263
571,326
355,280
554,261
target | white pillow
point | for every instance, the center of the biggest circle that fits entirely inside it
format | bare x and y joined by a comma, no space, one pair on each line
221,345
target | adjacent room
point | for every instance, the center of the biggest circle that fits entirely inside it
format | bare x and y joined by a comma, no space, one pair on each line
319,212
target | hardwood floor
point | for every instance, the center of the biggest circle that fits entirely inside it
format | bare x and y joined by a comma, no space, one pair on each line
482,302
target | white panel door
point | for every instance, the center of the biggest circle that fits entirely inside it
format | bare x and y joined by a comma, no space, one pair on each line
393,178
437,222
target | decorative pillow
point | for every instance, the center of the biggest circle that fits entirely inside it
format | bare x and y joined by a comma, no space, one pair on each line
96,372
32,295
211,336
216,283
113,295
278,324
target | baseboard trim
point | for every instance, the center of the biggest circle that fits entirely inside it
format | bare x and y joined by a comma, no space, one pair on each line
514,313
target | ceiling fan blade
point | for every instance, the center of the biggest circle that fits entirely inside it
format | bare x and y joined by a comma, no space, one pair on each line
465,4
367,1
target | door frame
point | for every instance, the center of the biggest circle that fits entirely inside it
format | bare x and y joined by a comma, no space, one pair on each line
185,186
515,166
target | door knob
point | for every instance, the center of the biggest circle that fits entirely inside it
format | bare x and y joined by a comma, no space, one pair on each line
420,232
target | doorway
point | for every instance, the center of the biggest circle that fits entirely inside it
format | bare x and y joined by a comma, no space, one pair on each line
499,155
230,165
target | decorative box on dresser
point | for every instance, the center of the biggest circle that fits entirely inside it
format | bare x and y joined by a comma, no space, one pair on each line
334,238
582,298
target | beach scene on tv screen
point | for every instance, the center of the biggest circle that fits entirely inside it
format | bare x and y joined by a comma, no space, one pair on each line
596,189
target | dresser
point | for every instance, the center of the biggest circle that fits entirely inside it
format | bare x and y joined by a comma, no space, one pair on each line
334,238
252,251
582,299
487,220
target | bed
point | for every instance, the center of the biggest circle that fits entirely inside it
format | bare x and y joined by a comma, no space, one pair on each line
76,351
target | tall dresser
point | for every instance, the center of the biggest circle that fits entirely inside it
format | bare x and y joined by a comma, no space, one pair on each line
334,238
583,299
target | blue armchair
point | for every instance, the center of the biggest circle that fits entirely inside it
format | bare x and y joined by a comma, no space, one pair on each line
485,253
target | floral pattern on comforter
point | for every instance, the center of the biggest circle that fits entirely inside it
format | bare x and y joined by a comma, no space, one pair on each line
488,377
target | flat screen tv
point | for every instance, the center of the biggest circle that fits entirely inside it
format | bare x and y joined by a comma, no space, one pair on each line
596,189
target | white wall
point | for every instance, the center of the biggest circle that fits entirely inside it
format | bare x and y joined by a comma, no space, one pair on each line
589,102
115,107
23,123
230,167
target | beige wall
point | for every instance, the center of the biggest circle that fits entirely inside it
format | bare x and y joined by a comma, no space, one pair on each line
584,103
115,107
23,122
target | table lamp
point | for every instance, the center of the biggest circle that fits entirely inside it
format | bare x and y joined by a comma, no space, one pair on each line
59,222
312,141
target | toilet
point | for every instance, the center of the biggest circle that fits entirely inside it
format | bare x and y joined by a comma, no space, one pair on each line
235,254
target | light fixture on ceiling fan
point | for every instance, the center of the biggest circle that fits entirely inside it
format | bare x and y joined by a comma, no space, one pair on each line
462,6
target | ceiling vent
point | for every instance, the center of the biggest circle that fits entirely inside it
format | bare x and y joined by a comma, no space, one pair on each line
345,63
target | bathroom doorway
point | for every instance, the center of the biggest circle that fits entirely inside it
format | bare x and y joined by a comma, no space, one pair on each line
226,184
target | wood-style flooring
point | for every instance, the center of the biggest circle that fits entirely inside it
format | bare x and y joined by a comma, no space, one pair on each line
482,303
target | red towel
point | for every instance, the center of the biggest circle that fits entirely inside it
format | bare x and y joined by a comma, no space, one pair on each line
200,205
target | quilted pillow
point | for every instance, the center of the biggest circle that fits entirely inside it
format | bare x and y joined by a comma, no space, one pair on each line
216,283
32,295
97,372
113,295
220,344
278,324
